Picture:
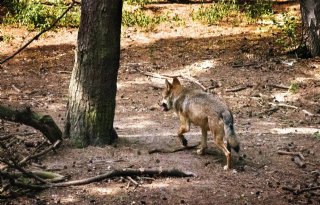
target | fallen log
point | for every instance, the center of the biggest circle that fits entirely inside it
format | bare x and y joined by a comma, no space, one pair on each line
44,123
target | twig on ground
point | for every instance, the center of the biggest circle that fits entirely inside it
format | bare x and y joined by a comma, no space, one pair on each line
23,171
300,191
299,154
239,88
136,184
172,150
116,173
283,105
6,137
279,86
51,147
293,107
243,65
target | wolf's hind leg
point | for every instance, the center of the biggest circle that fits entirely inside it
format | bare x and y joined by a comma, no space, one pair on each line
217,129
203,145
184,127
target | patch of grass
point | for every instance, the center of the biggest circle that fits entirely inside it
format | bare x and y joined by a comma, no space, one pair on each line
293,88
231,11
34,14
7,38
138,2
218,11
141,19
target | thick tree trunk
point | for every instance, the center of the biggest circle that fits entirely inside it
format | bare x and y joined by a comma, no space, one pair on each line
92,90
310,13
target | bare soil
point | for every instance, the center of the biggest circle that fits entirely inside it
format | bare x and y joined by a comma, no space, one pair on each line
215,55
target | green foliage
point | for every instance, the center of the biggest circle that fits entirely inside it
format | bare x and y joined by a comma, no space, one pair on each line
258,9
216,12
35,14
224,10
138,2
141,19
288,31
317,135
7,38
294,87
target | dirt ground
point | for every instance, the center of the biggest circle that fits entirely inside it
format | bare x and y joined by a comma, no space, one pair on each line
230,57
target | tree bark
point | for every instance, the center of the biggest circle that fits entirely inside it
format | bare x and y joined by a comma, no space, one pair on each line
310,14
92,90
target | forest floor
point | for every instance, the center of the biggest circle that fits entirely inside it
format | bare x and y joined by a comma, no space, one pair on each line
222,55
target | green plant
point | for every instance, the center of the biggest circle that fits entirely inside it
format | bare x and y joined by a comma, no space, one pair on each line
141,19
35,14
217,11
138,2
293,88
317,135
7,38
258,9
288,31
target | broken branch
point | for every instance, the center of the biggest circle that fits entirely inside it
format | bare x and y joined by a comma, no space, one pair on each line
118,173
238,88
172,150
299,154
44,124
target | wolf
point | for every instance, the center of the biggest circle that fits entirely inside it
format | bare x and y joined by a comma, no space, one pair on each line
204,110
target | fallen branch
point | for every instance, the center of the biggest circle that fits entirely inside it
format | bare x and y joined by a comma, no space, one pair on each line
172,150
39,34
115,173
243,65
279,86
283,105
47,176
239,88
51,147
299,154
300,191
6,137
44,124
293,107
22,170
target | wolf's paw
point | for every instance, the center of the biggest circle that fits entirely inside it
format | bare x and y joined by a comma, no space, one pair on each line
201,151
225,168
184,141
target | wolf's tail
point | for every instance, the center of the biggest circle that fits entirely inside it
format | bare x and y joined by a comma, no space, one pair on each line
232,140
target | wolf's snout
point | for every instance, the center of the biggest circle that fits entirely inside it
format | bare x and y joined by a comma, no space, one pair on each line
165,106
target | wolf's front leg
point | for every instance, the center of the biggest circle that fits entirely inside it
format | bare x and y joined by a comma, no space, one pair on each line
184,127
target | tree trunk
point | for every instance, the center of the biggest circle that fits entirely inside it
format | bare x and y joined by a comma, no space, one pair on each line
93,84
310,13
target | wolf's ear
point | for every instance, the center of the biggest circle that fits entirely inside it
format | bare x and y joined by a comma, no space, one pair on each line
168,85
175,82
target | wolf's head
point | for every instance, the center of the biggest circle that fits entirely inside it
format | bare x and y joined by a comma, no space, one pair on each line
168,93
